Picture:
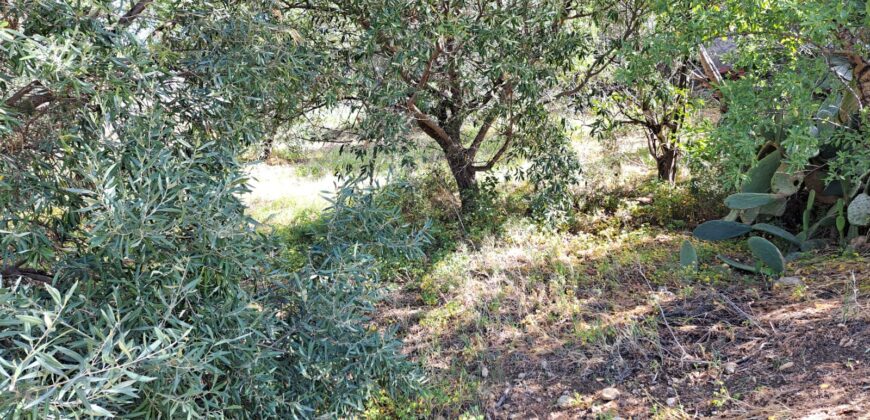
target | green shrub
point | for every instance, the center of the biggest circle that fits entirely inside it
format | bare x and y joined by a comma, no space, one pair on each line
677,205
131,281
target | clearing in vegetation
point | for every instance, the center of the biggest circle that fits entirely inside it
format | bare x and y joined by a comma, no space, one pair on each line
600,320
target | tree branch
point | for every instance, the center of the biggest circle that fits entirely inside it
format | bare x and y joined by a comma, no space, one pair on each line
509,136
425,122
134,12
606,58
481,134
33,275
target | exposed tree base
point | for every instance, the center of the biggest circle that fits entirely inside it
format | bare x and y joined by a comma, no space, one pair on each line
666,165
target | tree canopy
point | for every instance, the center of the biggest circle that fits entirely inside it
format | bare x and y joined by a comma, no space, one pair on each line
133,280
475,77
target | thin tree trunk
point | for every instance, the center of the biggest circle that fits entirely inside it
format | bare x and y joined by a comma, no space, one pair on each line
666,164
268,145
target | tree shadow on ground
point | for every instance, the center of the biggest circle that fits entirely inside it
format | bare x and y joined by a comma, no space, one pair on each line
538,327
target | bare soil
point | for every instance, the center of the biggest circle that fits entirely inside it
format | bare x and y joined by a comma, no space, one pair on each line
739,351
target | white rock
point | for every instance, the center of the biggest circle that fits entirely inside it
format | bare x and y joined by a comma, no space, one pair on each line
730,367
609,394
565,401
789,282
671,402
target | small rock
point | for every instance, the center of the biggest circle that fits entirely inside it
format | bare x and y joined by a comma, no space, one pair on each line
730,367
521,375
671,402
786,365
565,401
788,282
846,341
484,372
609,394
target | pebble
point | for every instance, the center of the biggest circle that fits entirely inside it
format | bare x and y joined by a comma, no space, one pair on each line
609,394
789,282
671,402
730,367
564,401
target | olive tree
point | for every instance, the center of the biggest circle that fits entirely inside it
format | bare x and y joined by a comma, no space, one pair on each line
475,76
131,281
652,87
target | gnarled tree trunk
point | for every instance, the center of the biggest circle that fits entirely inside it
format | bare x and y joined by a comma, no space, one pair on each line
666,164
464,173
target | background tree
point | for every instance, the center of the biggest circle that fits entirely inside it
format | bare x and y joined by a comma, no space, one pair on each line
652,86
475,77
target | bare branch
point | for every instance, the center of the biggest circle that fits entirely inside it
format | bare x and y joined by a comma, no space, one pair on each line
26,273
134,12
608,56
509,137
481,134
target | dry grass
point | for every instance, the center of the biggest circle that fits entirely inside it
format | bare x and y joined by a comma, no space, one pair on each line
528,318
509,325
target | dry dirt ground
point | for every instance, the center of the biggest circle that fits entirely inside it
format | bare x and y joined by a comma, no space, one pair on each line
736,350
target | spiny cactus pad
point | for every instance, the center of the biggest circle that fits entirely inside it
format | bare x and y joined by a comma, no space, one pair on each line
767,252
736,264
718,230
743,201
688,256
758,178
859,210
777,231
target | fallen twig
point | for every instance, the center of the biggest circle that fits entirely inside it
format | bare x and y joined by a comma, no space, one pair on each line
739,311
685,356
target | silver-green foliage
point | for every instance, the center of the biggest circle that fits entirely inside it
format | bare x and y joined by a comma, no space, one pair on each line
131,282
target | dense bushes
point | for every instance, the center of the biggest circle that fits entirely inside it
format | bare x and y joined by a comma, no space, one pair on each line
131,282
165,345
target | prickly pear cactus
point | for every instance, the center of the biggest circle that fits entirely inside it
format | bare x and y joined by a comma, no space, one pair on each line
767,253
859,210
745,201
688,256
719,230
758,178
786,183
